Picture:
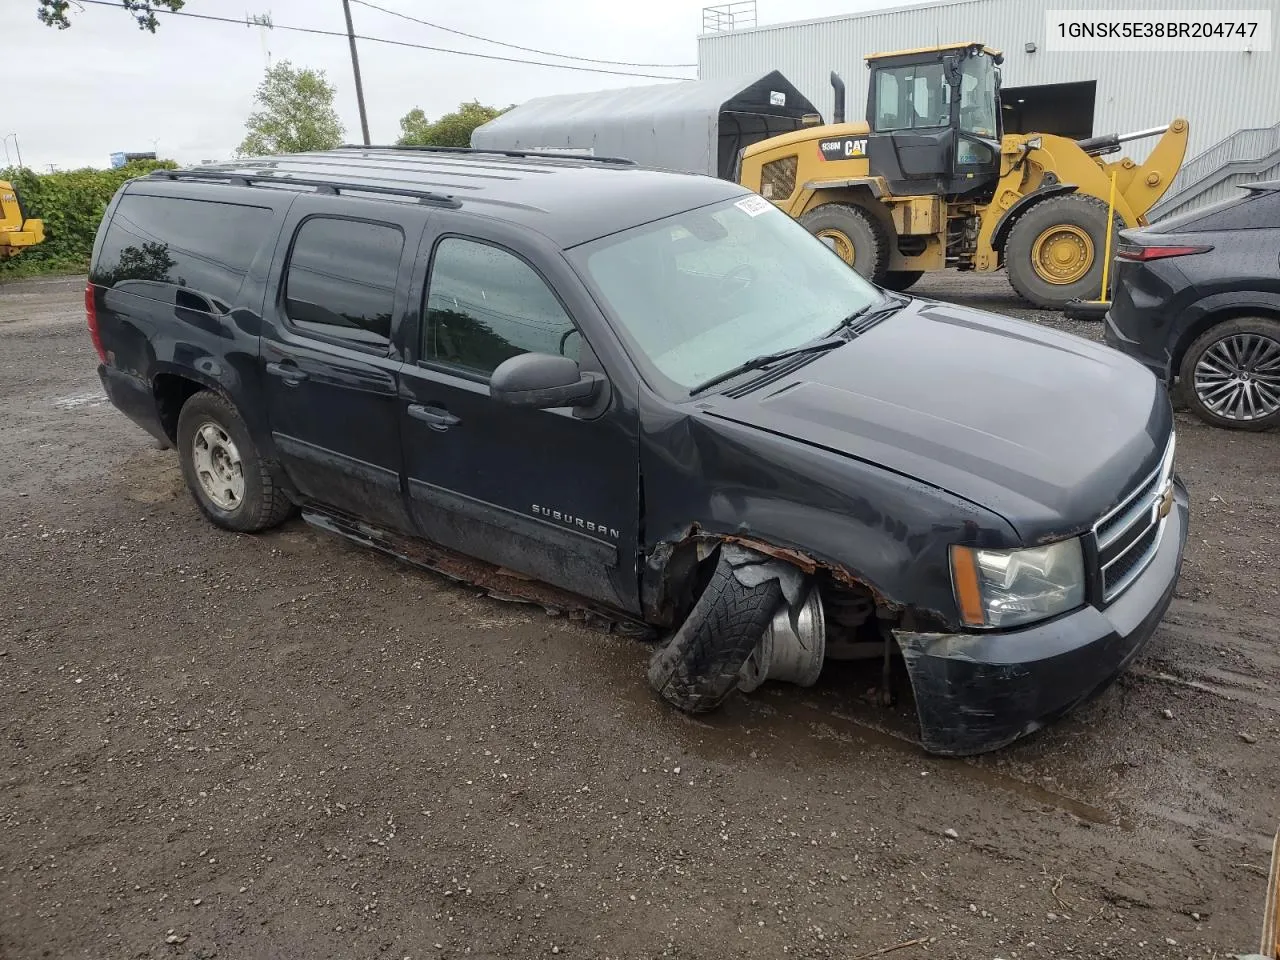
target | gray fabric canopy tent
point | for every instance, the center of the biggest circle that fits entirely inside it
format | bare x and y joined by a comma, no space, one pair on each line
693,126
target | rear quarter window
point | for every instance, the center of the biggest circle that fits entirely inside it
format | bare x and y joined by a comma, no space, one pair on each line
1256,210
341,278
162,247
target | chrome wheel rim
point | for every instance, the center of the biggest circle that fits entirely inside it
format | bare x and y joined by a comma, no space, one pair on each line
218,466
1238,377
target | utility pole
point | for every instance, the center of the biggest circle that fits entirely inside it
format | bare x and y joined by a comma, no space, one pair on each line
264,23
355,68
15,147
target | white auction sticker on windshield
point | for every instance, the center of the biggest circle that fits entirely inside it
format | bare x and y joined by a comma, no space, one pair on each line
753,205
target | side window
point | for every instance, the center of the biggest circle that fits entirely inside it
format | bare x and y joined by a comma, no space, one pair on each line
911,97
485,305
887,95
164,247
341,278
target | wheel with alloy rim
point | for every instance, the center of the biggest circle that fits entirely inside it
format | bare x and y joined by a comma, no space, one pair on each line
231,482
218,466
1231,374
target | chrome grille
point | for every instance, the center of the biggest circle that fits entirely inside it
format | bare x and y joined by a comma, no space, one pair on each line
1129,536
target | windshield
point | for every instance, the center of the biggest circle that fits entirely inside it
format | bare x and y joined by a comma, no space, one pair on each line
706,290
979,78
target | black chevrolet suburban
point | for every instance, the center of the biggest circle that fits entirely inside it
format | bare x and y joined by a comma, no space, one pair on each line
659,395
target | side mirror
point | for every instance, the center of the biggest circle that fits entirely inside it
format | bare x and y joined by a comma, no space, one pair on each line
544,381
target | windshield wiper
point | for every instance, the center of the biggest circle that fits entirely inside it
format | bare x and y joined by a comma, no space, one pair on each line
757,363
864,318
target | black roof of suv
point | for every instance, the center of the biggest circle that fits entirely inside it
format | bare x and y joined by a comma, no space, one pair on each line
570,199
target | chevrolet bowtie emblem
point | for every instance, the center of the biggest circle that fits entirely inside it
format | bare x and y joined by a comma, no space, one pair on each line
1163,502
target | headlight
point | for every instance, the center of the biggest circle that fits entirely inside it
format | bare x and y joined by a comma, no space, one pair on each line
1008,588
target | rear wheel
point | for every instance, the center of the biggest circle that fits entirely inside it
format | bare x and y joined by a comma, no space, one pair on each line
1055,251
1231,374
232,484
854,235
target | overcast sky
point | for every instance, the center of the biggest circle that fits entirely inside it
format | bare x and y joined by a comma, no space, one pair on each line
105,85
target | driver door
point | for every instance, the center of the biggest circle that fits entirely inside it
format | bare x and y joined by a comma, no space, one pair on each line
912,142
547,493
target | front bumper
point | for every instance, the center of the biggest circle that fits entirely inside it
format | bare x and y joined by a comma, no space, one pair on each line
976,692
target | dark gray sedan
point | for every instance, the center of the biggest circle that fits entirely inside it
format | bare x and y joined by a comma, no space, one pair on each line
1197,300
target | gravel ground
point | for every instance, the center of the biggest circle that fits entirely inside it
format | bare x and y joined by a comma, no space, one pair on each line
282,746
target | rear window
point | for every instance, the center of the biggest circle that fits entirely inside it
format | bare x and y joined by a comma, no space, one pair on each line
156,244
1255,210
341,279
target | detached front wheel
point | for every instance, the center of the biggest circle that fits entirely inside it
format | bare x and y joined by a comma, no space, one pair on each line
700,666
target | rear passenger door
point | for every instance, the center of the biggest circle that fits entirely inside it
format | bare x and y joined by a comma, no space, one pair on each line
329,366
550,493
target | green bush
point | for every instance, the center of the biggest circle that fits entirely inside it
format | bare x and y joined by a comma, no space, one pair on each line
71,204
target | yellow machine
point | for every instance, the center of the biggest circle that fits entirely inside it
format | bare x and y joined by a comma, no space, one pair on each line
16,231
931,181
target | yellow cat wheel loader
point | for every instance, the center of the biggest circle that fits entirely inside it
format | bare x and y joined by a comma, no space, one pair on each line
931,181
17,232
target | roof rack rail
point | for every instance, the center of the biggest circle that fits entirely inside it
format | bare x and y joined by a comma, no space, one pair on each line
322,186
535,154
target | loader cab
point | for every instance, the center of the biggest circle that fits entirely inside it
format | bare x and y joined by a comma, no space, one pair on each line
934,118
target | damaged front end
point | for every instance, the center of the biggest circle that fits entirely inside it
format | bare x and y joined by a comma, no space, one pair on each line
761,613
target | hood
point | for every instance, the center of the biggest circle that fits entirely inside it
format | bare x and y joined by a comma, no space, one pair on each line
1044,428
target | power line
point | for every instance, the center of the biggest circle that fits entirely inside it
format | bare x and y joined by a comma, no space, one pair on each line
516,46
395,43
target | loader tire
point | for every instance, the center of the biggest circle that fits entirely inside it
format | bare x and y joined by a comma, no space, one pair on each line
1055,251
698,668
854,235
901,280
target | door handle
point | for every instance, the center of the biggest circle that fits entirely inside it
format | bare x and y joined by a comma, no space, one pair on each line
287,371
438,418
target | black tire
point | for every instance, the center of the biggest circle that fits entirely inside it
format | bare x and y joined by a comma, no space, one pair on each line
1195,393
698,668
1072,210
263,504
901,279
860,233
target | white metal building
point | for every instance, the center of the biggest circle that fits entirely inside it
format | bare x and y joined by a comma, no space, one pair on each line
1232,100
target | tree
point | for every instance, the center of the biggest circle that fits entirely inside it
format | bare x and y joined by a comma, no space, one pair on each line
151,262
53,13
296,113
451,130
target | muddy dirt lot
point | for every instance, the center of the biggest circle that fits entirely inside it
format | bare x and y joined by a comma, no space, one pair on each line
283,746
